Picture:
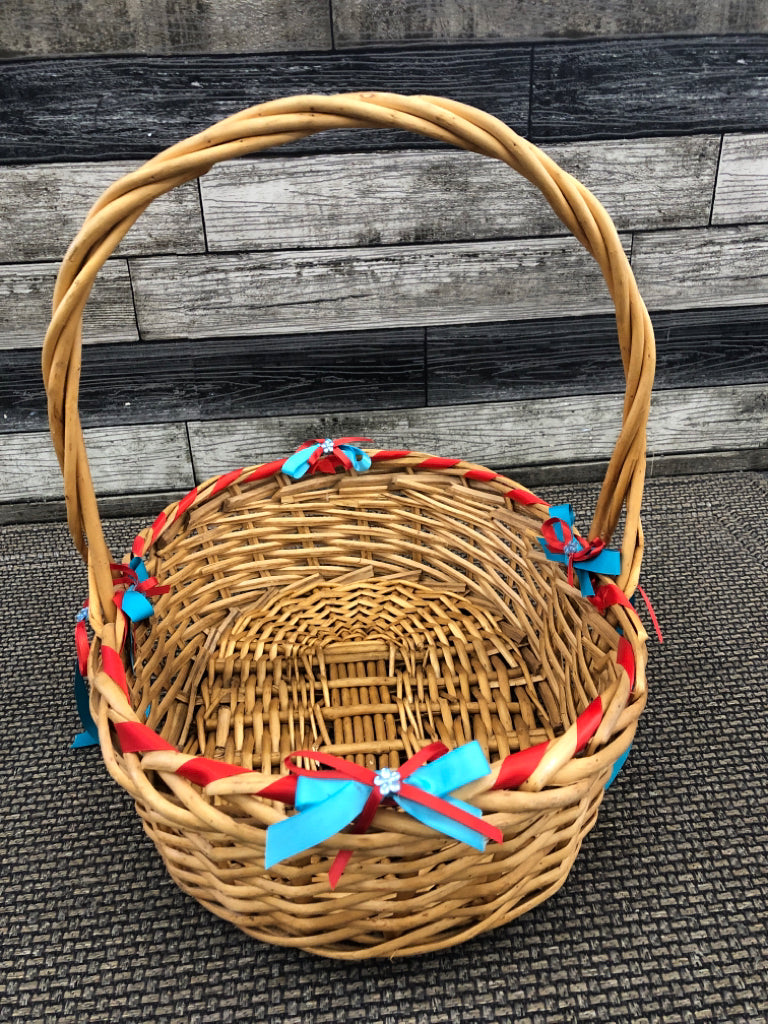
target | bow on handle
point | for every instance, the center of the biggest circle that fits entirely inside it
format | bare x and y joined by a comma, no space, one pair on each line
560,544
328,801
134,601
324,455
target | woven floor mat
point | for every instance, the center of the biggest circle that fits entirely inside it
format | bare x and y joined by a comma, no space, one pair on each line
663,918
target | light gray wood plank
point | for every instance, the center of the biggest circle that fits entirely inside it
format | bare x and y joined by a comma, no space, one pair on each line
37,28
146,506
403,197
192,296
26,292
123,460
702,267
42,207
526,433
357,22
741,195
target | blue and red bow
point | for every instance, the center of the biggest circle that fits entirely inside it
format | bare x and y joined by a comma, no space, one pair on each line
328,801
140,586
560,544
326,455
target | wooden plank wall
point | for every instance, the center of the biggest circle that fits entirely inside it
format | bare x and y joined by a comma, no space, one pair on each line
376,283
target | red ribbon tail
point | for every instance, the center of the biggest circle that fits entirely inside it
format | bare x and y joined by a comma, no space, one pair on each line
362,824
651,612
83,647
570,570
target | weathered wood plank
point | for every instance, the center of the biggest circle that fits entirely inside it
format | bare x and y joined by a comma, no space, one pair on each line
579,429
703,267
571,356
122,459
42,208
554,475
284,375
742,180
150,383
649,87
26,292
399,198
347,289
132,107
37,28
360,23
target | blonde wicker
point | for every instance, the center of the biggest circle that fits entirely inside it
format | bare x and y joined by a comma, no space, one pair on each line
365,615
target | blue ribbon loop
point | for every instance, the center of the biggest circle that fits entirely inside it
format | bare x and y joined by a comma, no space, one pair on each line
90,737
300,463
606,562
328,804
136,605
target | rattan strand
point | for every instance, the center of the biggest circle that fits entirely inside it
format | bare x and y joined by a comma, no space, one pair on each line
364,615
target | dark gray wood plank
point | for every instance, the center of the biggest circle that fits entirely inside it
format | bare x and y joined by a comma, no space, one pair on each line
360,23
38,28
222,377
529,432
399,198
249,377
132,107
704,267
26,291
122,460
42,208
572,356
615,89
742,180
348,289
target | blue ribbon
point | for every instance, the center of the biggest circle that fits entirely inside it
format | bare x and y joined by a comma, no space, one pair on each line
90,737
326,804
137,606
618,766
298,464
606,562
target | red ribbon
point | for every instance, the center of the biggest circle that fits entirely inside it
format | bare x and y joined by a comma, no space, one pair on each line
326,462
576,548
347,770
82,646
609,594
127,577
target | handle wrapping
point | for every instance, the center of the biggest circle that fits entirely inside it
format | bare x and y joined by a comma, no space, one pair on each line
276,123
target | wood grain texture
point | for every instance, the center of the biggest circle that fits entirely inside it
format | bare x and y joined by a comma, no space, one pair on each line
347,289
315,373
42,208
122,460
703,267
359,23
516,434
132,107
151,383
564,475
573,356
404,197
26,291
742,181
649,87
37,28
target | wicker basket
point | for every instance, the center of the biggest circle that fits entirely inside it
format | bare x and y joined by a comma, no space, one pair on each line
381,614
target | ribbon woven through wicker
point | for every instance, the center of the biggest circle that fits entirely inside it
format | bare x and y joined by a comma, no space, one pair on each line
365,615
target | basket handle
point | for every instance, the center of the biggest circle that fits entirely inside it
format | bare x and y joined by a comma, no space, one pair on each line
276,123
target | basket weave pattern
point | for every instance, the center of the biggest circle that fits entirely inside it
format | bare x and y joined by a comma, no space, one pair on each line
365,615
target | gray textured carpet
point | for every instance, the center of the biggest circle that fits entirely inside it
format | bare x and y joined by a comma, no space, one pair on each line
662,919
